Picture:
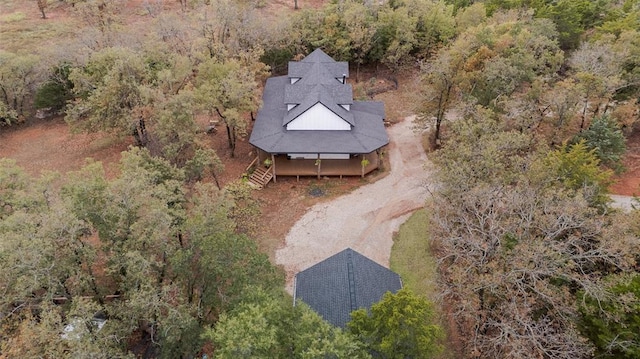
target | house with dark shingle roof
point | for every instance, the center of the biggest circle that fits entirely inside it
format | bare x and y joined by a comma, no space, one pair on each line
343,283
309,124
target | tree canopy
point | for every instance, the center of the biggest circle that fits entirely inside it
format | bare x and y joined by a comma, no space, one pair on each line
532,261
401,325
135,250
268,326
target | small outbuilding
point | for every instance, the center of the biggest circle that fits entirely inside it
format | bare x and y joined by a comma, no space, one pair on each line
342,283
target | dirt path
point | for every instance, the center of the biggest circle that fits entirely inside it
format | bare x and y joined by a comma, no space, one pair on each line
626,203
365,219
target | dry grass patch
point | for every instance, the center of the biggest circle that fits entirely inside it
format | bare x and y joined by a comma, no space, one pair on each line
412,260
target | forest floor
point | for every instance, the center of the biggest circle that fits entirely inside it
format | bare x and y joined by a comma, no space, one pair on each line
628,183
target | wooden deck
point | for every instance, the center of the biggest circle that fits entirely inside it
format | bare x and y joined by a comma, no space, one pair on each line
282,166
325,167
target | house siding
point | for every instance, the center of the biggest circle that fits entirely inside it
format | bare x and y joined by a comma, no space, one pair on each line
318,117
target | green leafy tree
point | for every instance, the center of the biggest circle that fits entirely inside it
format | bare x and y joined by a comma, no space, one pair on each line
481,149
19,78
469,16
360,28
435,25
327,29
613,323
204,160
8,116
571,17
439,90
605,138
546,111
57,90
621,20
401,325
518,237
47,258
486,65
600,74
44,245
174,127
112,91
396,37
269,327
227,88
245,208
215,264
578,168
55,332
138,218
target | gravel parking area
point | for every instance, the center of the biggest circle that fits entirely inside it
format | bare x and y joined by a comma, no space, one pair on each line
366,219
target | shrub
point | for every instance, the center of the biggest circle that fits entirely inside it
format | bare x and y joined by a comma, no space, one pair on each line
56,91
605,138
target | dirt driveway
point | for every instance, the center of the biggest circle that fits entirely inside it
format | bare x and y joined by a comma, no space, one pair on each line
365,219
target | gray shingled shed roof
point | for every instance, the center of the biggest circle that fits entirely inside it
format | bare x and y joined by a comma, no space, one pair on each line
343,283
318,83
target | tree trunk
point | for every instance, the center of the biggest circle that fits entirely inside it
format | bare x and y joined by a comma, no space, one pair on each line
442,106
233,142
229,136
42,4
230,133
584,113
140,133
215,179
295,4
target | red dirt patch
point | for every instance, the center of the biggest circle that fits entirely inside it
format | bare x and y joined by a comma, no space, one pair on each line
48,145
628,183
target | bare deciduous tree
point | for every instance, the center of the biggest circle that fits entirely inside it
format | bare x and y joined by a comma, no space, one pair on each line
516,244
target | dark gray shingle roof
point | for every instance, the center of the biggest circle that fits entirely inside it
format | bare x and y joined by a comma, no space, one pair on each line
342,283
318,84
330,67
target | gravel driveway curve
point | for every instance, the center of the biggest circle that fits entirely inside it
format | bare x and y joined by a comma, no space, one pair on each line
365,219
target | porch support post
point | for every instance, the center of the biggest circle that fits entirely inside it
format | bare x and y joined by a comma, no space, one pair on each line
273,166
364,157
319,162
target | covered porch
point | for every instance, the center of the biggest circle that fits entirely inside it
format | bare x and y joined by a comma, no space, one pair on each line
355,165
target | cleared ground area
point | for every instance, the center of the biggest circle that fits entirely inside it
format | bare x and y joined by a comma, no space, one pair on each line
365,219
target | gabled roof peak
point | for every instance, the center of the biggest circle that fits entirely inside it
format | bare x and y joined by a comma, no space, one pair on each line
318,56
318,67
342,283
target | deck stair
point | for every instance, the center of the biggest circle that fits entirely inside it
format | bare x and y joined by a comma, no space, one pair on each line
261,176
